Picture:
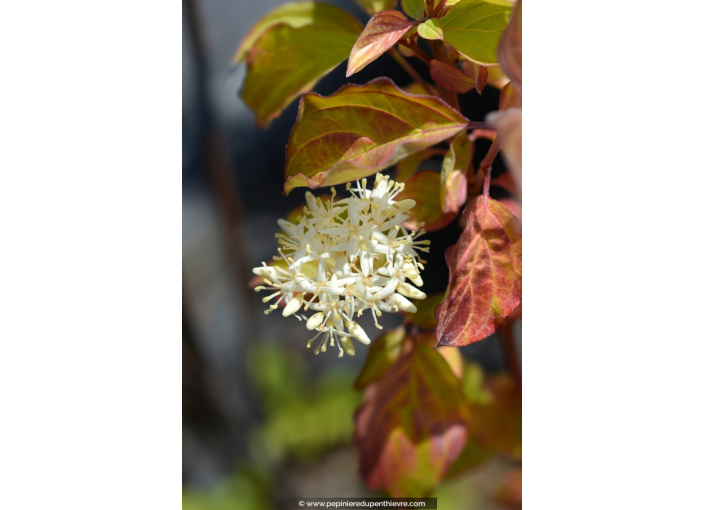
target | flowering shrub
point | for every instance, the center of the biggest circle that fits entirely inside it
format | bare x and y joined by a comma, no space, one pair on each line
427,413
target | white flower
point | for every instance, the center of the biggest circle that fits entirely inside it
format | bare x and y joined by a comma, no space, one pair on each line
365,259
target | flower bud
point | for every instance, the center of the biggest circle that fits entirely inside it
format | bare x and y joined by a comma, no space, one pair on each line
315,321
293,305
410,291
403,303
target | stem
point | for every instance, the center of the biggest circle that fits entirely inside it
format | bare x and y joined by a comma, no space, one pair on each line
409,69
490,156
412,45
508,345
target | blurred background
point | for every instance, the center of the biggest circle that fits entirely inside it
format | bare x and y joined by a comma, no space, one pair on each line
264,418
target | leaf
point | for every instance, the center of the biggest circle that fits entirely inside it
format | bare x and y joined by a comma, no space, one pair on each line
374,6
511,48
456,171
497,424
362,129
295,15
424,318
450,77
286,62
411,425
380,34
509,97
424,188
414,8
408,166
474,28
506,182
485,274
383,353
430,29
509,125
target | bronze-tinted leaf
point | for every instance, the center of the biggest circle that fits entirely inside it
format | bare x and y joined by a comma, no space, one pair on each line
474,28
478,73
485,274
286,62
383,353
297,15
449,77
380,34
498,424
424,317
509,97
362,129
509,124
374,6
511,48
424,188
412,424
457,169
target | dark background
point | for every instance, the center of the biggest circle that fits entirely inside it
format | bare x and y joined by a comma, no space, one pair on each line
263,418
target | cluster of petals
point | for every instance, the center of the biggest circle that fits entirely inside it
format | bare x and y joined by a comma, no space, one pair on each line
357,255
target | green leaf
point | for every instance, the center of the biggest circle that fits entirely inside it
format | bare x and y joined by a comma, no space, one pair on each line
485,274
362,129
474,28
430,29
457,170
374,6
424,188
412,424
380,34
383,353
414,8
424,318
286,62
297,15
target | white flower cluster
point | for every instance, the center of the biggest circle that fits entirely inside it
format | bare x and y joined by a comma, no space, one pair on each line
364,257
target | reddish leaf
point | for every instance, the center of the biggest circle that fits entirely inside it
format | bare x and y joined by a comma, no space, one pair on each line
456,171
509,97
380,34
362,129
498,423
510,50
485,274
411,425
478,73
509,124
450,77
506,182
383,353
424,188
512,206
